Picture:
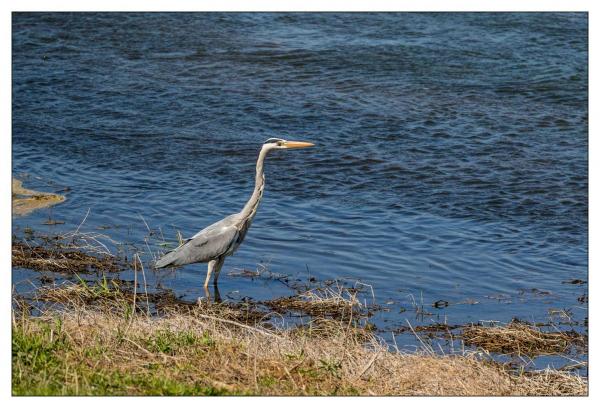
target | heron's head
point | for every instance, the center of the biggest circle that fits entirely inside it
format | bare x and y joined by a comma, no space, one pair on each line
276,143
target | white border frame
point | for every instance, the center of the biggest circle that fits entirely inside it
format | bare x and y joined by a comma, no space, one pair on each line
9,6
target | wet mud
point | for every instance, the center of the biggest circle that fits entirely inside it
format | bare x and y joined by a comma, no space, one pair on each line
25,201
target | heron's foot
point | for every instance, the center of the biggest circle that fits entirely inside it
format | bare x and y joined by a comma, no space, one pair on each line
206,293
208,298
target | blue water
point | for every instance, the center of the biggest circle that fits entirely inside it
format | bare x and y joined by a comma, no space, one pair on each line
451,158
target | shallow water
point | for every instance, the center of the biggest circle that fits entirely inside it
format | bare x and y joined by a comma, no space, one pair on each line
451,158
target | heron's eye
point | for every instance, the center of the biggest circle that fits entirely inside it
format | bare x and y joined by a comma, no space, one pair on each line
280,143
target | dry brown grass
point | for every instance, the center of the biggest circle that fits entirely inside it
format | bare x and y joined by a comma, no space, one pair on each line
71,253
334,302
59,259
94,350
522,339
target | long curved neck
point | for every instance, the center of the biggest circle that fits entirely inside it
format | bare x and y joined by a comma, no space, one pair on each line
251,206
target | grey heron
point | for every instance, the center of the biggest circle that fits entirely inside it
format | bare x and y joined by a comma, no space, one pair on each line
221,239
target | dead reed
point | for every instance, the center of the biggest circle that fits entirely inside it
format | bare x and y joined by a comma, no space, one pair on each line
521,339
336,302
61,259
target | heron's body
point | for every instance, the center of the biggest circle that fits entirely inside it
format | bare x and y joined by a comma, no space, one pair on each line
221,239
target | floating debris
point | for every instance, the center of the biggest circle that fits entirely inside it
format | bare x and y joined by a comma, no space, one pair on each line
440,304
435,330
52,222
575,282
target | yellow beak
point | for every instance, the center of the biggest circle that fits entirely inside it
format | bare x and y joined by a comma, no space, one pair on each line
298,145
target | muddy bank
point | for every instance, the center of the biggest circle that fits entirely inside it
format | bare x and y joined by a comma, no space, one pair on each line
89,349
25,201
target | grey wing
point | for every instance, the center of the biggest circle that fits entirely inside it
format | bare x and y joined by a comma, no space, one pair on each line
210,243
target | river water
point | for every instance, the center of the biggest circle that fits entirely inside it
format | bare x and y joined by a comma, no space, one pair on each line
450,162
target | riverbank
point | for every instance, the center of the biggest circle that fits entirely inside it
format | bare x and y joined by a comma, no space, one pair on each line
85,331
100,340
25,201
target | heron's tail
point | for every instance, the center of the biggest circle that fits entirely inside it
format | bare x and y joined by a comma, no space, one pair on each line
166,260
173,258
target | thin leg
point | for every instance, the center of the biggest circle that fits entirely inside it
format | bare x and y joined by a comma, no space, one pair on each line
211,267
217,269
217,294
206,295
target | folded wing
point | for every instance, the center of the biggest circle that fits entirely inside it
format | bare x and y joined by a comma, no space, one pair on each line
210,243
